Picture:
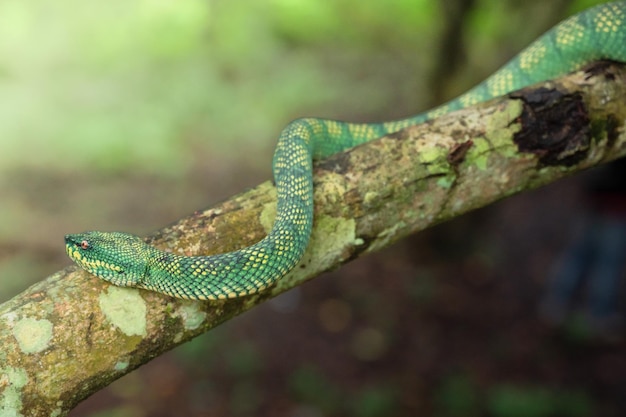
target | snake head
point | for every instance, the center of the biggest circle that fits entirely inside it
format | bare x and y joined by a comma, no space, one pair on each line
119,258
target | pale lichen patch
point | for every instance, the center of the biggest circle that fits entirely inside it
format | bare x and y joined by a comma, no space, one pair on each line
386,236
191,314
332,240
333,189
12,380
499,134
479,154
121,365
370,197
445,182
125,309
503,125
32,335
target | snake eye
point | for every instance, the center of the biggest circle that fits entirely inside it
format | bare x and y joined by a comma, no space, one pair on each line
84,244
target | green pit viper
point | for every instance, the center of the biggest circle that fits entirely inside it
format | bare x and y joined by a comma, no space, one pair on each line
126,260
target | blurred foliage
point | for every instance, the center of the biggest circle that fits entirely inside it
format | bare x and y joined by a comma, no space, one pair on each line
520,401
122,85
244,360
131,85
458,397
375,401
122,411
310,386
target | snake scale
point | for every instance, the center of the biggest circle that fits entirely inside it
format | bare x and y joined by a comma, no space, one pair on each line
126,260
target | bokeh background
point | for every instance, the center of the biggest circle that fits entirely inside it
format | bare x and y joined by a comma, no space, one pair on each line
128,114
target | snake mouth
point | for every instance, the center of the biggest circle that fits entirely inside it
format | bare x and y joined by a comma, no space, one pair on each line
72,247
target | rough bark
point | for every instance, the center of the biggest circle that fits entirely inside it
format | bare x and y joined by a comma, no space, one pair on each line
71,334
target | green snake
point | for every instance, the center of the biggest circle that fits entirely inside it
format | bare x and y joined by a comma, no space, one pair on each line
126,260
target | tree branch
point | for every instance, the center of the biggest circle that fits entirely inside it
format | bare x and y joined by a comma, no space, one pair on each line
71,334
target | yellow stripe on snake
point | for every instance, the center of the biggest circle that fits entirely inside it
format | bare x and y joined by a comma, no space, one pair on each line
125,260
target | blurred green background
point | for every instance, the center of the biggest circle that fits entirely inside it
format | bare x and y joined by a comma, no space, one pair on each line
126,115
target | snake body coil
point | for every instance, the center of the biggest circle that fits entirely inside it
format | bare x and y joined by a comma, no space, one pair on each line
125,260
